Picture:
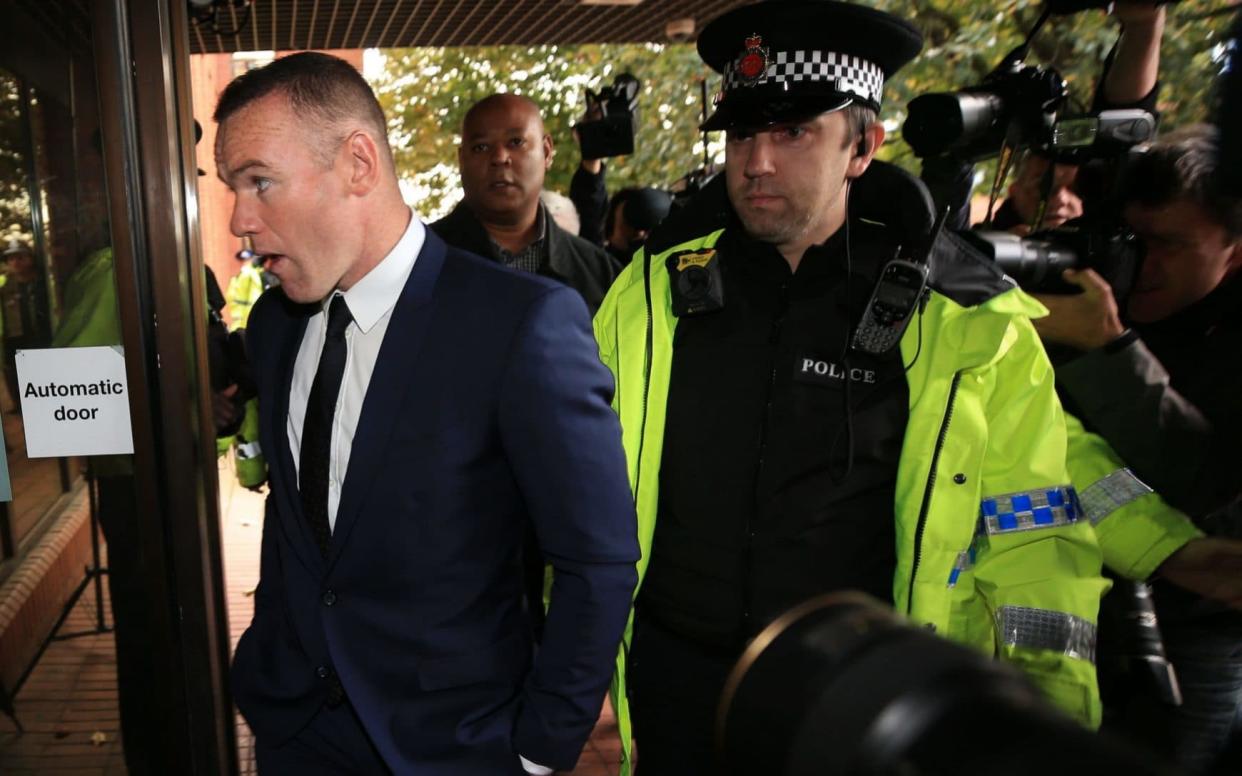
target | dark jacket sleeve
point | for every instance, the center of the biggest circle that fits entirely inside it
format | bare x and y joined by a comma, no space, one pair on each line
950,180
590,195
564,443
1125,395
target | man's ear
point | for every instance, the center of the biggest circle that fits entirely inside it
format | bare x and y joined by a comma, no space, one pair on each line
870,141
363,162
549,151
1235,258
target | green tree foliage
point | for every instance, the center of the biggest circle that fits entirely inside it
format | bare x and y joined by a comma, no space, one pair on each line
426,92
965,40
14,174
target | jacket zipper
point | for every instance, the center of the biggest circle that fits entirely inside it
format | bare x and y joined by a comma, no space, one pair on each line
642,429
927,492
748,552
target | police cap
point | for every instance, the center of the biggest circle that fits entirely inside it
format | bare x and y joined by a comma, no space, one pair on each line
17,247
786,60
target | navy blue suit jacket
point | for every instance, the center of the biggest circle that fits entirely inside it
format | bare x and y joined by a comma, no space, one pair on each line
488,408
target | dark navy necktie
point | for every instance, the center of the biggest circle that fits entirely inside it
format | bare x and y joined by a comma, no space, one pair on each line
316,453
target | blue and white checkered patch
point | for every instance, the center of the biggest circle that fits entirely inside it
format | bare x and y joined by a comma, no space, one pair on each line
851,74
1028,510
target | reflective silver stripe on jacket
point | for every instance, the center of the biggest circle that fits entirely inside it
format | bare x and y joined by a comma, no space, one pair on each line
249,450
1107,495
1028,510
1024,626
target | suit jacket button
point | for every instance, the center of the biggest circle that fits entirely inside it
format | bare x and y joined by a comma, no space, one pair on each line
329,598
322,672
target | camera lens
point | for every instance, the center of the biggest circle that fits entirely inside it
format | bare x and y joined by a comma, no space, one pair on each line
694,283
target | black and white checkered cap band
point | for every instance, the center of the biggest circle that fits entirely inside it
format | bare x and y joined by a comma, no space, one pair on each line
851,74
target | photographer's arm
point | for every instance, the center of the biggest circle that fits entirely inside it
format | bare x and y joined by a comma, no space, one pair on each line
589,194
1132,70
588,191
949,180
1124,393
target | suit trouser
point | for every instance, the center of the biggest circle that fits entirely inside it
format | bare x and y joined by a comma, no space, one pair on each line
333,742
674,686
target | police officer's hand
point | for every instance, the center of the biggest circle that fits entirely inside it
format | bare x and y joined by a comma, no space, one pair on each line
1085,321
1210,566
225,411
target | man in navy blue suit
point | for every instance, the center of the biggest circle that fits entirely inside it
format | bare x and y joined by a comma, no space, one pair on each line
421,406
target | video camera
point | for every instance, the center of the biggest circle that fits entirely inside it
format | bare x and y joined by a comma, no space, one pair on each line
612,134
1019,107
1019,104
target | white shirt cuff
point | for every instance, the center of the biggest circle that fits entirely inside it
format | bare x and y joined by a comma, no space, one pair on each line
534,769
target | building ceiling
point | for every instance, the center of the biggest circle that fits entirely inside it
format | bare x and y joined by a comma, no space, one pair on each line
267,25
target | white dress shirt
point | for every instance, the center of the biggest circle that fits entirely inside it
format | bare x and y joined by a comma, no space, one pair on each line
371,301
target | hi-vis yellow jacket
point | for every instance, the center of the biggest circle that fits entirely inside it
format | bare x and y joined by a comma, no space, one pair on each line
995,547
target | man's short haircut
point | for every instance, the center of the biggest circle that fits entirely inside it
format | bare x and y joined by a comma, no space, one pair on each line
324,90
1181,166
614,206
858,118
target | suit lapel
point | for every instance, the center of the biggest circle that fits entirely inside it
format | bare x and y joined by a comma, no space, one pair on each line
285,473
394,383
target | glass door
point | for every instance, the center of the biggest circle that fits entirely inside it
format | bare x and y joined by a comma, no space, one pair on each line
113,630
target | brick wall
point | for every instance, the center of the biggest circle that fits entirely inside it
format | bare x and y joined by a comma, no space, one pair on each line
32,597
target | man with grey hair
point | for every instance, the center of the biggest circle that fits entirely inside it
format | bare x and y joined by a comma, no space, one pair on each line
562,210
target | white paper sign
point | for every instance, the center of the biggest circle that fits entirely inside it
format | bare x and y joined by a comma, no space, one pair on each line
74,402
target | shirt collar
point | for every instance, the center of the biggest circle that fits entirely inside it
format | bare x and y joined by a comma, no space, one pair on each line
541,234
374,296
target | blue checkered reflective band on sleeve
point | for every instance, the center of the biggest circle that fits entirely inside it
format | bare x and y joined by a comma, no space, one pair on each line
1108,494
1028,510
1025,626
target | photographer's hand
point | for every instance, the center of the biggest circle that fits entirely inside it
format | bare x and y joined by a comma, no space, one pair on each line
592,166
1085,321
1210,566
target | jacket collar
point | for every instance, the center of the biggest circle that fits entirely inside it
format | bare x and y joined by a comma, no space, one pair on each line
887,196
464,230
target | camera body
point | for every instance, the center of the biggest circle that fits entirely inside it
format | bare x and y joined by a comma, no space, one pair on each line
1017,103
612,134
1019,106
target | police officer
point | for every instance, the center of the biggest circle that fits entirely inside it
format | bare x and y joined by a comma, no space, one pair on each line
774,458
23,310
